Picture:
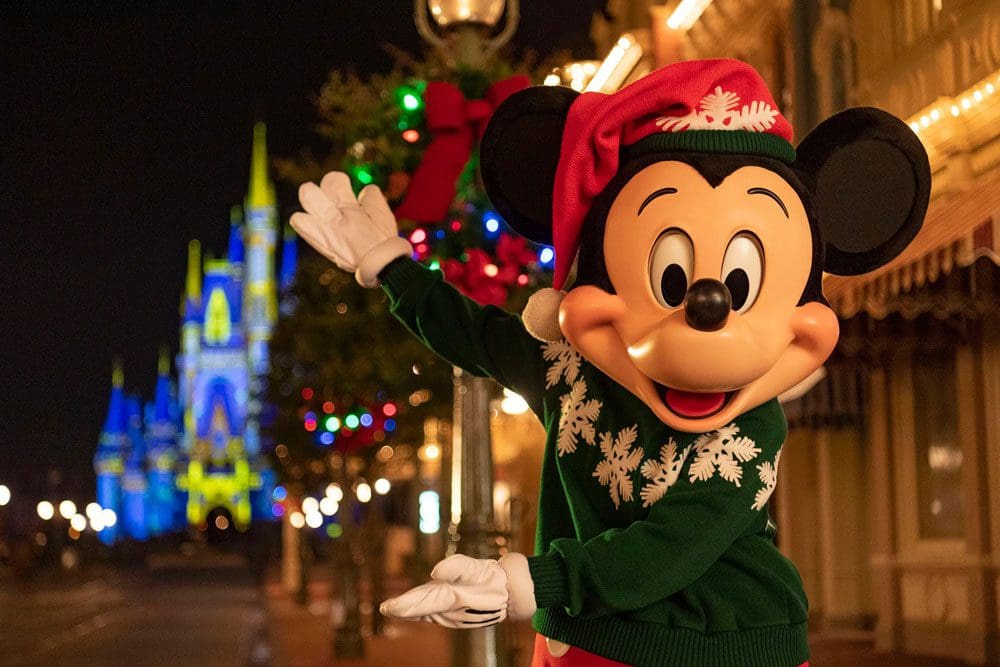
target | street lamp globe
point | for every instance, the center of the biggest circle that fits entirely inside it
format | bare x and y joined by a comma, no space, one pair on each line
450,12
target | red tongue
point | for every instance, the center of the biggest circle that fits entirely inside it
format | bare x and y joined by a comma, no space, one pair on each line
691,404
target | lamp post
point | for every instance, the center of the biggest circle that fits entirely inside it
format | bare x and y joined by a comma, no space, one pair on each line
465,28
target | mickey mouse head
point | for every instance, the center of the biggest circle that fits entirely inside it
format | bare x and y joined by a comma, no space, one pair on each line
700,235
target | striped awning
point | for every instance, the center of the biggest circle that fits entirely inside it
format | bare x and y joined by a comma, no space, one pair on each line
959,228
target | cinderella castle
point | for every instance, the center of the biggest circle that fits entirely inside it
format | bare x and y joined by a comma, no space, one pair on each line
196,448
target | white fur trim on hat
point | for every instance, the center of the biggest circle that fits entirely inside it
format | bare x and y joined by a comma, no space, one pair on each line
541,314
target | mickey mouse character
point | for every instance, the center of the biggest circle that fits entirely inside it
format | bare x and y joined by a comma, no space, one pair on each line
700,236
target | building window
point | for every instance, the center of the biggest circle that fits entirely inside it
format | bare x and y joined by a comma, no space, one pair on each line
940,498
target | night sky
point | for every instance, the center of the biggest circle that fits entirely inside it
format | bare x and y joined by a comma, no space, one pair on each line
125,133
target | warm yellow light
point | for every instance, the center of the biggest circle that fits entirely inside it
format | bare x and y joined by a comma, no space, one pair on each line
45,510
978,95
990,88
915,127
687,14
552,80
109,517
67,509
310,505
431,452
935,115
329,506
966,103
334,492
297,519
363,491
382,486
92,510
4,494
78,522
955,110
314,519
616,66
513,404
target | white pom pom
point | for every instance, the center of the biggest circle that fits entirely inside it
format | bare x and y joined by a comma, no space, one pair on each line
541,314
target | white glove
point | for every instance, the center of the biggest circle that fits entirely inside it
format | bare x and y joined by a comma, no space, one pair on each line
358,235
469,593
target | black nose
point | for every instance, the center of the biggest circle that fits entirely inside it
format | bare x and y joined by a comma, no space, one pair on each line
708,305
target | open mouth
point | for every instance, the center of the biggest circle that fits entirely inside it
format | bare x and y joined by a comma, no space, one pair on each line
692,404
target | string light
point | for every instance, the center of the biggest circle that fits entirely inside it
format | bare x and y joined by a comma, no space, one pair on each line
687,14
956,106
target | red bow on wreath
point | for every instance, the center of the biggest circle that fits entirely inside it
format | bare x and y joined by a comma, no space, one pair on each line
454,122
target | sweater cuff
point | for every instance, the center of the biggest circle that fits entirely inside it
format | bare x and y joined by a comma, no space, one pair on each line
549,576
379,257
400,275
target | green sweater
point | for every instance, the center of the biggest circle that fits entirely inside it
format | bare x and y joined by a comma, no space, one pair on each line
654,546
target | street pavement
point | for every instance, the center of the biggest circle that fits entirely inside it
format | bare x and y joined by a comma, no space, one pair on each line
175,611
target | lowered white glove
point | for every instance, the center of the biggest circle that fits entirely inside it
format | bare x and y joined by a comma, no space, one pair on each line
469,593
358,235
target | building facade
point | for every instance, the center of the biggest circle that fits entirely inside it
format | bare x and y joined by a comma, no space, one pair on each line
198,450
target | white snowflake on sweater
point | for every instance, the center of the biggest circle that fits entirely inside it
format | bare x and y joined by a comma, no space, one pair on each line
620,460
577,418
768,474
721,110
723,452
662,473
567,362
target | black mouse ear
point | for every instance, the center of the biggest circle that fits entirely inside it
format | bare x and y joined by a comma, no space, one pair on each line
518,157
872,183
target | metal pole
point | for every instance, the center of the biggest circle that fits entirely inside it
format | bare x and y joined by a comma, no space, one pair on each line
347,640
473,531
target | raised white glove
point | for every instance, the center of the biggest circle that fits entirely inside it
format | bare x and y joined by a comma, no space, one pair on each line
358,235
469,593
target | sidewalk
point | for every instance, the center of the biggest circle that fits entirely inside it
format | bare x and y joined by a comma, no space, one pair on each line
301,636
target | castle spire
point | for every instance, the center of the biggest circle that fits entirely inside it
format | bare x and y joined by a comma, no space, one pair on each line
161,411
116,422
193,283
261,192
289,259
236,235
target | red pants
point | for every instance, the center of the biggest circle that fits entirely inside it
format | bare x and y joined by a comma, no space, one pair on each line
575,657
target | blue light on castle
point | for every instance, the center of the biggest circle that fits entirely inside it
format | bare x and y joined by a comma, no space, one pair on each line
196,447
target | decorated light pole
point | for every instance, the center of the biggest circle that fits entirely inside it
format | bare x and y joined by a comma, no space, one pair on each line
465,38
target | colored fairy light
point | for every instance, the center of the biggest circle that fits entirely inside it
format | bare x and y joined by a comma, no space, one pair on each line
364,176
366,420
332,423
410,136
277,510
307,393
439,234
351,421
435,265
310,426
546,255
390,425
328,407
422,248
411,102
388,409
310,416
418,236
491,223
279,493
326,438
522,280
456,225
334,530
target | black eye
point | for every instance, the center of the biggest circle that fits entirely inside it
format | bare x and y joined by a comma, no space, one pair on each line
742,270
670,266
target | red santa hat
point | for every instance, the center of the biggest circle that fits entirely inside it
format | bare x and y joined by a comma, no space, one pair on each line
715,106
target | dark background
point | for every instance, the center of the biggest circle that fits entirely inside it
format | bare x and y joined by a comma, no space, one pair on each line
125,133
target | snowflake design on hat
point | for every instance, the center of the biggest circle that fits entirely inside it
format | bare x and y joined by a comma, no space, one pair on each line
662,473
577,418
721,110
620,460
768,473
722,451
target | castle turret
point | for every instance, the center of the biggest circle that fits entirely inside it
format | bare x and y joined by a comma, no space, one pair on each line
289,259
161,456
109,458
260,291
133,514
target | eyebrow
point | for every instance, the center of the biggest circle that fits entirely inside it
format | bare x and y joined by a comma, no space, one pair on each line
768,193
658,193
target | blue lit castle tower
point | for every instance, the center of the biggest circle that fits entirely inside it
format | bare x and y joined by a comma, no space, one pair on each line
202,452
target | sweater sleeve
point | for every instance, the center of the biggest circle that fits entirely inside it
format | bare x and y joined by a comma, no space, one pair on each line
685,532
484,340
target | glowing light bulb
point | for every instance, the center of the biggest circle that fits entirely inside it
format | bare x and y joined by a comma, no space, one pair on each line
334,492
363,492
382,486
310,505
67,509
297,519
45,510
